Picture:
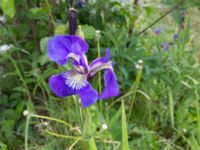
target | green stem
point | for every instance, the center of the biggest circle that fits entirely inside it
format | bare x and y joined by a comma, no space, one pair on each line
78,111
52,119
88,132
62,136
134,88
92,144
21,77
26,133
49,13
197,111
99,74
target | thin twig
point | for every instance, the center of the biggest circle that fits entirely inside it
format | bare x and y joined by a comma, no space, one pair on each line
161,17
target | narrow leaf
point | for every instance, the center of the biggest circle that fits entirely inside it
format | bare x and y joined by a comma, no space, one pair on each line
171,107
124,129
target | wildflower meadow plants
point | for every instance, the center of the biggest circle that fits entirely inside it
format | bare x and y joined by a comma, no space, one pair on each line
61,89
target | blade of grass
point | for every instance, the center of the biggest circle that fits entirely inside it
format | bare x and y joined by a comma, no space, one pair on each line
26,133
171,106
198,115
124,129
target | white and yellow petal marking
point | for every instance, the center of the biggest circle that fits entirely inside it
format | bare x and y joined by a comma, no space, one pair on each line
75,80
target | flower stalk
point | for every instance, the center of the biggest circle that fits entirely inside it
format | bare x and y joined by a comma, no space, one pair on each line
89,130
139,67
98,35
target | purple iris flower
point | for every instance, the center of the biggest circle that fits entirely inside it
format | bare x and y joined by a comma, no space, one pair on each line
175,36
165,46
158,31
61,48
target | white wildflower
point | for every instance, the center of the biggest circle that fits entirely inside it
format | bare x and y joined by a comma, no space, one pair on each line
26,113
184,130
140,61
4,48
137,66
2,19
104,126
98,34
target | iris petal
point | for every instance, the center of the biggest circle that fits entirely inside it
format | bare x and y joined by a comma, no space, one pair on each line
101,60
88,95
60,46
75,80
100,64
111,87
58,86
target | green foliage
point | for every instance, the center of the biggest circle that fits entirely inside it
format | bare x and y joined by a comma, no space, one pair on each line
124,129
8,7
165,100
38,13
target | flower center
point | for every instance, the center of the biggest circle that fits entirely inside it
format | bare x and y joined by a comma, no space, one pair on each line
75,80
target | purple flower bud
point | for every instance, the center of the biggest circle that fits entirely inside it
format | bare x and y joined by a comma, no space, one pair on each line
165,46
175,36
81,3
158,31
72,21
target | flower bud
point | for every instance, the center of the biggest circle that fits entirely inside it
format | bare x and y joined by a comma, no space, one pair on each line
98,34
26,113
72,21
104,126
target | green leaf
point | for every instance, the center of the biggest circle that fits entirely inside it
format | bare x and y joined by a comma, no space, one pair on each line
124,129
8,7
43,44
36,13
3,146
88,31
171,106
61,29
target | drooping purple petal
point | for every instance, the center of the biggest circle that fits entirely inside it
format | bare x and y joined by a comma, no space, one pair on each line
101,60
111,88
61,45
58,86
88,95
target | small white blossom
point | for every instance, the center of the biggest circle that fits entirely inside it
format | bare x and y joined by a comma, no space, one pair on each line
104,126
4,48
140,61
2,18
137,66
184,130
26,113
46,123
98,34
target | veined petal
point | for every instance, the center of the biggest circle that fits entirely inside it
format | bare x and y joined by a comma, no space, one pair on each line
111,88
75,80
58,86
100,63
88,96
101,60
60,46
99,67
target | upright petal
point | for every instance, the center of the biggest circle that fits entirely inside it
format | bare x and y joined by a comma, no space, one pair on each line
88,95
60,46
100,64
111,87
59,87
101,60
